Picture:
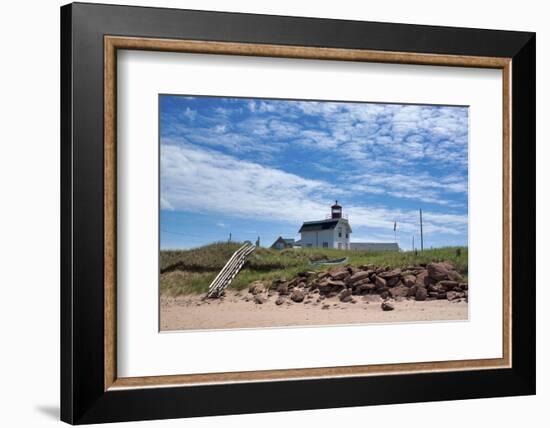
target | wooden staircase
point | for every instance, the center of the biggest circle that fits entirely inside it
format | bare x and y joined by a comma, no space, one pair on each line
230,270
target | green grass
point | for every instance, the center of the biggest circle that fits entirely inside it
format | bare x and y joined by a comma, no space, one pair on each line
180,282
191,271
208,258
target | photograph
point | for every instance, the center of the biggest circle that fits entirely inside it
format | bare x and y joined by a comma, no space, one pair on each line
287,213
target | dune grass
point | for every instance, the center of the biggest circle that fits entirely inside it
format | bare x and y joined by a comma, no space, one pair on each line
192,271
208,258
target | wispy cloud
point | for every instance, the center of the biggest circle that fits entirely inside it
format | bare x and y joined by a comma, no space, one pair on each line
284,161
164,204
418,186
200,180
358,132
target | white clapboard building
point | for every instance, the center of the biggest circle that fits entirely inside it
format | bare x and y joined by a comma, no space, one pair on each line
333,232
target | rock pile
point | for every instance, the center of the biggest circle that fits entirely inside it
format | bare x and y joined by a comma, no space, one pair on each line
437,280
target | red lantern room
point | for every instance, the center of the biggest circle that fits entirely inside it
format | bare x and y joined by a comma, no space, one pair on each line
336,210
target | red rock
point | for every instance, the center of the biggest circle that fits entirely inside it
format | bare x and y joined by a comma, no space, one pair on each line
365,287
453,295
297,296
359,276
380,282
259,300
412,291
391,274
421,294
294,281
257,287
448,285
400,291
345,296
283,288
455,276
340,275
421,278
442,271
393,281
409,280
327,286
362,282
387,306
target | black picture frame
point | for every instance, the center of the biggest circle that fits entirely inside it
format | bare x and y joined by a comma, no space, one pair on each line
83,399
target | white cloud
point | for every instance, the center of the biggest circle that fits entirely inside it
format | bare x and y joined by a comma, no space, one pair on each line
165,205
204,181
404,133
190,114
403,136
408,220
418,186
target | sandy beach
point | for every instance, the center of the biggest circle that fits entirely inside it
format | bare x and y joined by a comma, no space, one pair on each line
238,310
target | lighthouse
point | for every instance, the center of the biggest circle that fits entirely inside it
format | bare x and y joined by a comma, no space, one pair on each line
336,210
333,232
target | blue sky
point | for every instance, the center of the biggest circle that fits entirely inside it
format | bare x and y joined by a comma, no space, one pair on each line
259,167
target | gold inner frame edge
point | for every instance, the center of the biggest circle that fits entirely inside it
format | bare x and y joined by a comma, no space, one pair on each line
113,43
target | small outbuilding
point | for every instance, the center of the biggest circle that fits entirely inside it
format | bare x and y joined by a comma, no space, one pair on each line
282,243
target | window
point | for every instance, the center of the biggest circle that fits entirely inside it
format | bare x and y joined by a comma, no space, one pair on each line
339,232
347,235
325,244
339,245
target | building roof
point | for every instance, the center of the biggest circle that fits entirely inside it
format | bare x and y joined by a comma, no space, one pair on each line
311,226
287,241
375,246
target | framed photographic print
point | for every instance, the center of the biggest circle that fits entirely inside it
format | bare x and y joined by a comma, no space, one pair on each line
265,213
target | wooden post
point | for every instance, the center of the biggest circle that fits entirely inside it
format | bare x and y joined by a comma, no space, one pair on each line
421,233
